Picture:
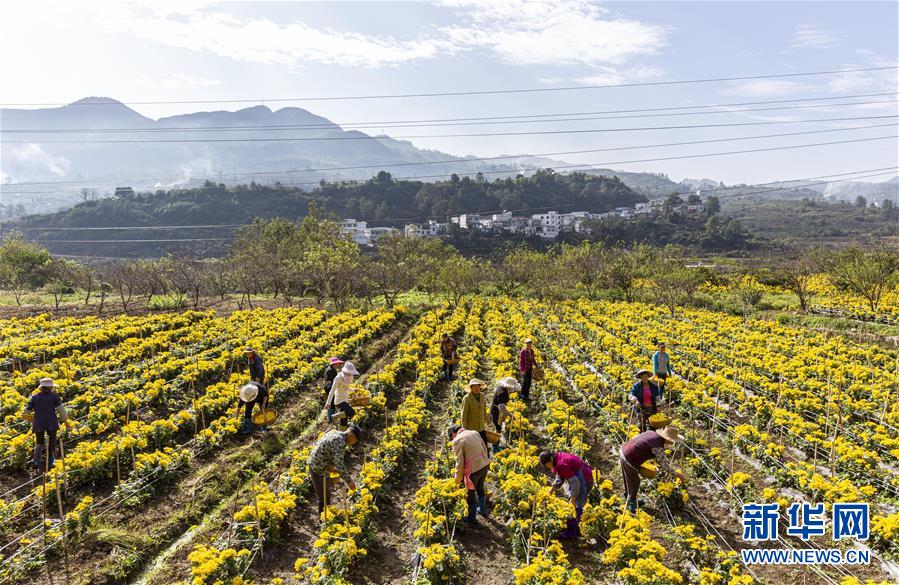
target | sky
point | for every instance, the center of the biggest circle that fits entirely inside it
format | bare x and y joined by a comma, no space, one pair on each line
189,51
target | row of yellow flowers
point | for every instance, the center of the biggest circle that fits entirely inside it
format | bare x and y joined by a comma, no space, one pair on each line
341,539
695,398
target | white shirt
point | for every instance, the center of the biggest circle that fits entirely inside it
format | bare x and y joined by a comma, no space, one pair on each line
340,390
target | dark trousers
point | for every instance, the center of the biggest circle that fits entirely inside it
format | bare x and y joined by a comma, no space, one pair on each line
447,371
484,438
494,416
631,476
321,485
40,445
526,384
478,478
348,410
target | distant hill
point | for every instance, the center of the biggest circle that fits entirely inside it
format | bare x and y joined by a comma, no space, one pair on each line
145,165
381,200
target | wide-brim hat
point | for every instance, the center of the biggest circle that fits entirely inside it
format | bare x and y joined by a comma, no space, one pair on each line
349,368
46,383
641,372
671,435
509,383
249,349
335,361
475,382
249,392
527,341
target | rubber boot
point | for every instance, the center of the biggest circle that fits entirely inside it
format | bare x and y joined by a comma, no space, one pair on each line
571,531
482,506
246,427
472,517
632,505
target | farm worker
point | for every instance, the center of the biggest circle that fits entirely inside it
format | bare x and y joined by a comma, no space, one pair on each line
334,365
661,364
575,477
474,408
250,394
257,369
637,451
339,396
327,456
448,347
527,360
472,465
645,396
43,405
498,408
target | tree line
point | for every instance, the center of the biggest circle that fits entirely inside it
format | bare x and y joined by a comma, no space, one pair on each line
311,258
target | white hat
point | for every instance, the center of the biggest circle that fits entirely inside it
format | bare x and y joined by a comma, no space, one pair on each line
475,382
46,383
249,392
528,340
349,368
509,383
250,349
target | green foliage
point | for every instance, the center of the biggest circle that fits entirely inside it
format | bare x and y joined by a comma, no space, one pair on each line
24,266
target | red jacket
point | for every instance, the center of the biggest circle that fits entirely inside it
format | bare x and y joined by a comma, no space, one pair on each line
526,360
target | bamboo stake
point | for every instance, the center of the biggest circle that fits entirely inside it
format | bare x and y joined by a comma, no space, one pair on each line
65,475
258,525
65,540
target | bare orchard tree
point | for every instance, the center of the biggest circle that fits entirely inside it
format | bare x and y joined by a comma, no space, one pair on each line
154,279
797,277
868,271
60,275
220,278
585,264
125,279
86,279
186,275
674,283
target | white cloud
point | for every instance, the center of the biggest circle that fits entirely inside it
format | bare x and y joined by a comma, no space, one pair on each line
810,36
567,32
261,40
175,81
617,76
767,87
552,33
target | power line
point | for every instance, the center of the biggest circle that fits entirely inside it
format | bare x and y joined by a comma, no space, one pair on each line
469,135
469,92
484,120
877,171
167,240
473,159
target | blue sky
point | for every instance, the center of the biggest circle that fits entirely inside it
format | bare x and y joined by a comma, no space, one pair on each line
60,52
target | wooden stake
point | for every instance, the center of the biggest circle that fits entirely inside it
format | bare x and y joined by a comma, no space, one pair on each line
258,525
65,475
62,526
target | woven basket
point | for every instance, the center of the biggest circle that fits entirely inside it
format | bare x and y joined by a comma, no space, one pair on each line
493,437
265,417
452,361
357,401
648,471
537,374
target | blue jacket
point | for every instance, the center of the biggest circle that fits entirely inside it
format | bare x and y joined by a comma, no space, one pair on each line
637,392
43,405
655,364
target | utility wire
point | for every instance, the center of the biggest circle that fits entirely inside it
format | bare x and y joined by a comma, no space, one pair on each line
168,240
469,135
469,92
469,160
877,171
486,120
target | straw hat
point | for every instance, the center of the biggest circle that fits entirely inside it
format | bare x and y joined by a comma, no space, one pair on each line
335,361
250,349
670,434
475,382
528,340
509,383
641,372
249,392
349,368
46,383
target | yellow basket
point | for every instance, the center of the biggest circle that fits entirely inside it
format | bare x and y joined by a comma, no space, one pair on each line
452,361
659,421
266,417
648,471
361,400
28,416
493,437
